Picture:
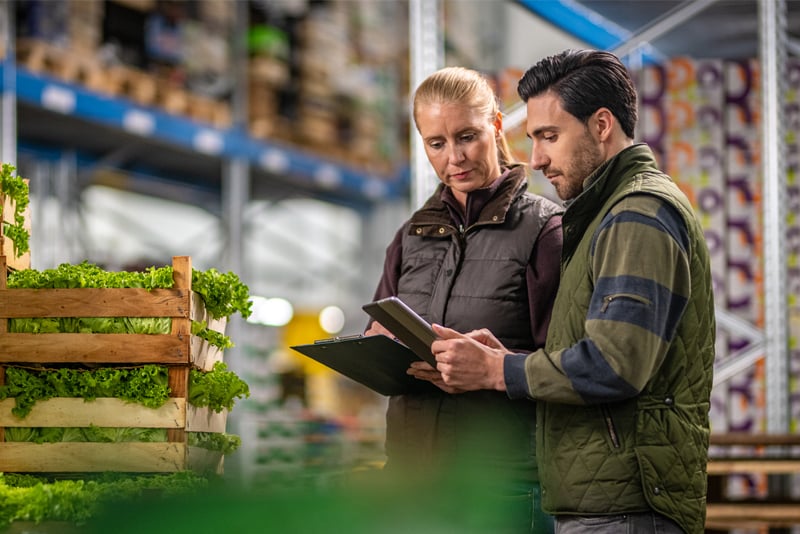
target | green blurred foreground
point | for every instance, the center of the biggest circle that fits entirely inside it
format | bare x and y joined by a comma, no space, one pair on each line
367,502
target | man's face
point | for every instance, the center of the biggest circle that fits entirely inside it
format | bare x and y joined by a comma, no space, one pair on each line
563,147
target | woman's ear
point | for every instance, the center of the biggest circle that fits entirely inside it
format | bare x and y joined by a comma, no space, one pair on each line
498,123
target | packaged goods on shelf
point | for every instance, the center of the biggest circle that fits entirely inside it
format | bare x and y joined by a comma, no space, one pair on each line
85,25
180,352
269,71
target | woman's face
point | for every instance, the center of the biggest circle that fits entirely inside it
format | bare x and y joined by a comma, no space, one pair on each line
461,145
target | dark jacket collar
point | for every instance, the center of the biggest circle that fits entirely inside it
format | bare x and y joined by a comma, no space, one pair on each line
441,207
607,178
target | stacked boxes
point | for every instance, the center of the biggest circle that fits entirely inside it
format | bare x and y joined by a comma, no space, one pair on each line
267,75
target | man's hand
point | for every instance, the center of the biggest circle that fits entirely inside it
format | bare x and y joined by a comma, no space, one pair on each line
467,364
485,337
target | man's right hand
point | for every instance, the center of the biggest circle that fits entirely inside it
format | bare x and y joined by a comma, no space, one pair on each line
485,337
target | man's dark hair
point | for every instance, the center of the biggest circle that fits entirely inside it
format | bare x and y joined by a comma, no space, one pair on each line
585,81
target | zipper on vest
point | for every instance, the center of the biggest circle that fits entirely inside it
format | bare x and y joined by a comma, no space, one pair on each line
633,296
612,429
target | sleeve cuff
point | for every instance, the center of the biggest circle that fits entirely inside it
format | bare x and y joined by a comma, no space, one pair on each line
514,374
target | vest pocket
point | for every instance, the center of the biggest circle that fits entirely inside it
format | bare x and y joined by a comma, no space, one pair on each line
611,428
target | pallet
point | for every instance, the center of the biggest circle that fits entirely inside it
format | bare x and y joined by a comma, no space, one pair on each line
178,101
741,515
132,84
120,81
208,110
775,511
14,262
179,350
66,65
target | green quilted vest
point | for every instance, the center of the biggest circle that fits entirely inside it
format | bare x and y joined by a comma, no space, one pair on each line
650,452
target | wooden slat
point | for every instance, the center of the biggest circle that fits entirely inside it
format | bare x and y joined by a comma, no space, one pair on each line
721,466
203,354
94,302
103,412
200,314
178,379
205,419
94,348
179,376
205,461
182,272
744,515
92,457
3,330
755,440
6,243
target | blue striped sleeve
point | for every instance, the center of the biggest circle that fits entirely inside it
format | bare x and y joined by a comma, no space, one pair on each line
514,375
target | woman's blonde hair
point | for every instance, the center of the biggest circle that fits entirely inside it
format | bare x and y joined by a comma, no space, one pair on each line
459,85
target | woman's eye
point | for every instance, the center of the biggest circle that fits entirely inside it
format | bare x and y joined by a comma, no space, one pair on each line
468,137
435,145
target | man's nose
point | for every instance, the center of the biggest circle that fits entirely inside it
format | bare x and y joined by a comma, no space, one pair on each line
539,159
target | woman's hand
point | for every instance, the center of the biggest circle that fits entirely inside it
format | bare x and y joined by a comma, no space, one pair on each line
377,329
425,371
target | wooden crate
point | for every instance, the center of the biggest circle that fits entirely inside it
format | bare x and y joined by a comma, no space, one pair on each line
179,351
23,261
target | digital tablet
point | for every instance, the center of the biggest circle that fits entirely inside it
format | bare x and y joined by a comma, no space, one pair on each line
405,324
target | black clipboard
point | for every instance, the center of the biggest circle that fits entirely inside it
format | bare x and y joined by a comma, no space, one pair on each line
404,323
378,362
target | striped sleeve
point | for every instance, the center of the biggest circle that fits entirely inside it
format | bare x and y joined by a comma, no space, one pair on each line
639,264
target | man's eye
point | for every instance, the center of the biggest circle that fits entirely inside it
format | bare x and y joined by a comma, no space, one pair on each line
550,138
435,145
468,137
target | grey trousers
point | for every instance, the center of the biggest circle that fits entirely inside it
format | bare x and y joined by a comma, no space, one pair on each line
643,523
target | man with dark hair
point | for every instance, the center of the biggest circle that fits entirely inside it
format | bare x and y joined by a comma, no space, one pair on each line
623,384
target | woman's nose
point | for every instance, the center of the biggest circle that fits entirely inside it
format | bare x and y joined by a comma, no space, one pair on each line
456,155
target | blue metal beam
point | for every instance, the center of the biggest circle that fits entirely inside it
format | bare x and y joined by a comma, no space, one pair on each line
302,166
583,23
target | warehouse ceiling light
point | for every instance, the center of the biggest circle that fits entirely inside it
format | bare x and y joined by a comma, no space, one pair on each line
331,319
270,311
